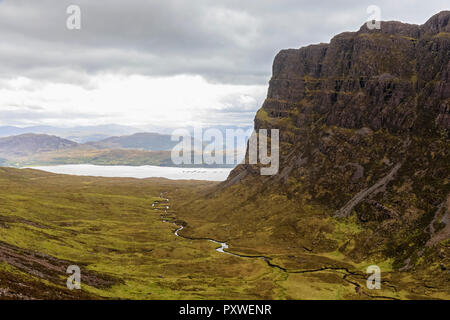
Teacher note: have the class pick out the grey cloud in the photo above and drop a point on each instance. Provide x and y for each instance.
(25, 107)
(24, 117)
(226, 41)
(239, 118)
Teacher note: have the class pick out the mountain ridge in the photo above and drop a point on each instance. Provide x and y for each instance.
(135, 150)
(140, 140)
(80, 134)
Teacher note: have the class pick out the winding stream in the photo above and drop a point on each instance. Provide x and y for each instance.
(221, 249)
(224, 245)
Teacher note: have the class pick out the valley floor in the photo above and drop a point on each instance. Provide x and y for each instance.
(116, 231)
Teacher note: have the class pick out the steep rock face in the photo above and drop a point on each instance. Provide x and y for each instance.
(364, 130)
(375, 78)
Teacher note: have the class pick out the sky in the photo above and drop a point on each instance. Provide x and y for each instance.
(165, 63)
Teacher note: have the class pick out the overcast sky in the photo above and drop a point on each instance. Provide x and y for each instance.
(169, 63)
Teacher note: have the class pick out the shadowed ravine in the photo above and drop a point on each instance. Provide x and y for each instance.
(223, 245)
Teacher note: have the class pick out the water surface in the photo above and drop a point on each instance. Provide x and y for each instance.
(211, 174)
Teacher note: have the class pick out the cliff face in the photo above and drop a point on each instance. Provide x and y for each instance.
(364, 132)
(379, 79)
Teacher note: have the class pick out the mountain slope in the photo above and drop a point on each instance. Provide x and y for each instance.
(141, 141)
(135, 150)
(40, 149)
(80, 134)
(364, 158)
(29, 144)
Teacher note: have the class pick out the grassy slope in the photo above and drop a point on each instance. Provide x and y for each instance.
(301, 237)
(110, 229)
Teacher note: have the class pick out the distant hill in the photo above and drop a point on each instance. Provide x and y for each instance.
(80, 134)
(28, 144)
(139, 141)
(134, 150)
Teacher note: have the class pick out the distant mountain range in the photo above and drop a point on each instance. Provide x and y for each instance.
(104, 145)
(85, 134)
(140, 141)
(80, 134)
(134, 150)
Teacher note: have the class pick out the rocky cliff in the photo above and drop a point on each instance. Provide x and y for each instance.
(381, 79)
(364, 142)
